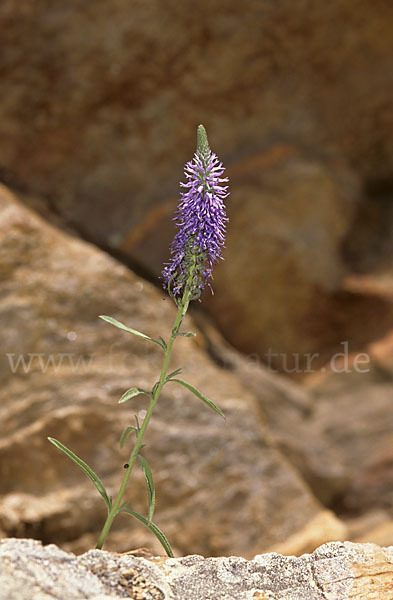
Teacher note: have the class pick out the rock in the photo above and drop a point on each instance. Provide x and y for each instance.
(337, 431)
(374, 526)
(305, 129)
(382, 534)
(338, 571)
(353, 413)
(381, 352)
(351, 410)
(283, 245)
(222, 487)
(114, 99)
(288, 411)
(369, 248)
(379, 283)
(325, 525)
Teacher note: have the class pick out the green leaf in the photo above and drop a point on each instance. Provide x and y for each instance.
(168, 377)
(150, 484)
(187, 334)
(117, 323)
(163, 343)
(126, 433)
(200, 396)
(134, 391)
(154, 529)
(86, 469)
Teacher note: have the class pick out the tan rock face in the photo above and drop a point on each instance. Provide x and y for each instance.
(97, 114)
(114, 99)
(337, 433)
(286, 226)
(222, 487)
(359, 425)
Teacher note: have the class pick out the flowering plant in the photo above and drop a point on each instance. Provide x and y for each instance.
(197, 246)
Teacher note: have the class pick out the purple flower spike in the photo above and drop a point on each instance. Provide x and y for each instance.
(201, 220)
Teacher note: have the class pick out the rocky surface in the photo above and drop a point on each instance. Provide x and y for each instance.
(222, 487)
(337, 431)
(335, 571)
(115, 99)
(356, 418)
(289, 412)
(97, 118)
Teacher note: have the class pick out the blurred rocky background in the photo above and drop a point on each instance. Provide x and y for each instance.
(98, 110)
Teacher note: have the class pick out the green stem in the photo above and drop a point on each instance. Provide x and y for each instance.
(182, 309)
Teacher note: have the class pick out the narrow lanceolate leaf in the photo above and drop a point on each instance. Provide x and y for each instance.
(187, 334)
(154, 529)
(200, 396)
(117, 323)
(86, 469)
(126, 433)
(151, 493)
(163, 343)
(173, 374)
(131, 393)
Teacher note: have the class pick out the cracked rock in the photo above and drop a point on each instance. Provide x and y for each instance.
(335, 571)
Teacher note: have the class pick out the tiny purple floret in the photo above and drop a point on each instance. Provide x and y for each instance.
(201, 221)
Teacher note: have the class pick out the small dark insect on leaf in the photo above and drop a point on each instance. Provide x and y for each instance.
(126, 465)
